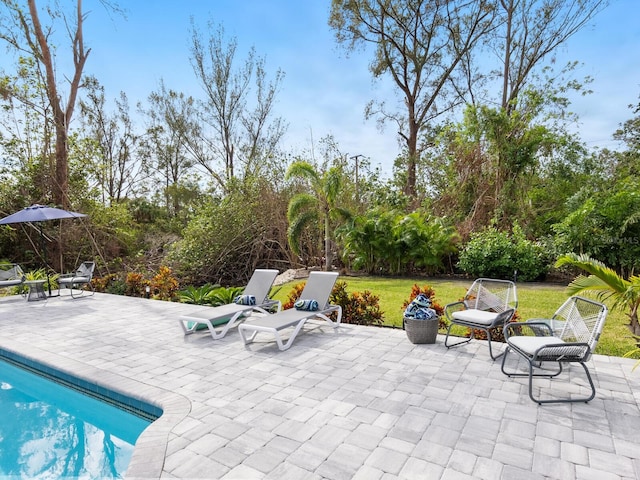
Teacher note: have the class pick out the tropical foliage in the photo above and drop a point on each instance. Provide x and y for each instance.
(317, 207)
(391, 242)
(606, 284)
(198, 295)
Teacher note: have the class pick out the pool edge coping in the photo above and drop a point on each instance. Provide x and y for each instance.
(147, 460)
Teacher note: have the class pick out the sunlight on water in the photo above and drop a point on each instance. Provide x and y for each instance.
(49, 431)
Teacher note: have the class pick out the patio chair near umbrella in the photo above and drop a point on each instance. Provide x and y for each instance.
(36, 214)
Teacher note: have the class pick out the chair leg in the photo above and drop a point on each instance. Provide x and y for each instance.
(490, 350)
(471, 337)
(78, 287)
(504, 360)
(529, 361)
(562, 400)
(531, 375)
(457, 343)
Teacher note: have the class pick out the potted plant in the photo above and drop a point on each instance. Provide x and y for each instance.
(421, 318)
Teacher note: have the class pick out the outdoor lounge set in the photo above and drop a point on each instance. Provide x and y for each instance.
(534, 348)
(12, 275)
(252, 318)
(570, 336)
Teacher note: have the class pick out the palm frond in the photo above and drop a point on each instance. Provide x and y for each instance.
(300, 203)
(590, 284)
(333, 183)
(296, 227)
(302, 169)
(595, 268)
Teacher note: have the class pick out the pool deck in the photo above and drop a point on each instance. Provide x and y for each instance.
(359, 402)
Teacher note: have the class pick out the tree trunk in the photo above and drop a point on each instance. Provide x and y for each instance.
(62, 116)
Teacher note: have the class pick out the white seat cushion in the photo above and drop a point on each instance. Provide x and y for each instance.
(480, 317)
(530, 345)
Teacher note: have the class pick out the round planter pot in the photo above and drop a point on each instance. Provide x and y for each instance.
(421, 331)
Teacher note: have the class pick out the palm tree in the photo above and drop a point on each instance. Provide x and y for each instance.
(606, 284)
(315, 207)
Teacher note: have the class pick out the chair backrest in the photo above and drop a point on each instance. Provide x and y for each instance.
(260, 283)
(492, 295)
(319, 287)
(86, 269)
(583, 320)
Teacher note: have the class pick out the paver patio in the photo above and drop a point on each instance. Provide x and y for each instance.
(362, 402)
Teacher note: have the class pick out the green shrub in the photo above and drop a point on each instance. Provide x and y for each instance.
(116, 286)
(197, 295)
(497, 254)
(224, 295)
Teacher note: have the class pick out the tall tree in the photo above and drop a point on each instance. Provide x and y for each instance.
(245, 132)
(423, 45)
(25, 33)
(628, 161)
(26, 137)
(115, 167)
(532, 30)
(172, 121)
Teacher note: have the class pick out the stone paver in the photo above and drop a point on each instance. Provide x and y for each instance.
(361, 403)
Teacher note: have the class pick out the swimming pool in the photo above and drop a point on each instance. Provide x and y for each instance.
(48, 430)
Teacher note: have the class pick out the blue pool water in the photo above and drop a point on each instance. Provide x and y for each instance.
(50, 431)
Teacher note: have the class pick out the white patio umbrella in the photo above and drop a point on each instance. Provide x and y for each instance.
(37, 214)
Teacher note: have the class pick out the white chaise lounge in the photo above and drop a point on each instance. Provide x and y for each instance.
(318, 288)
(230, 315)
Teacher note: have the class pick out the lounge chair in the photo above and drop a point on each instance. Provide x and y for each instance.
(570, 336)
(232, 314)
(318, 288)
(11, 275)
(75, 281)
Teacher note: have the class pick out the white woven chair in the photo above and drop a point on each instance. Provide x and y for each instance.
(488, 304)
(570, 336)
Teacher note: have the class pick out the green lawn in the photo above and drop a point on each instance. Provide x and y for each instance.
(535, 300)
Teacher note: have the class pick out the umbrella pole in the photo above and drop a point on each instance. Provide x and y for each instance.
(44, 257)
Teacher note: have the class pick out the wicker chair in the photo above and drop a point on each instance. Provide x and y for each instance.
(487, 304)
(570, 336)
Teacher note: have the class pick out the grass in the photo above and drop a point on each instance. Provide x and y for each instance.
(535, 300)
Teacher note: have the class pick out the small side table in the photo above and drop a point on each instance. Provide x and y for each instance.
(36, 290)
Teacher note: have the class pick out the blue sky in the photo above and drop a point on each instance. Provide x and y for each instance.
(323, 91)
